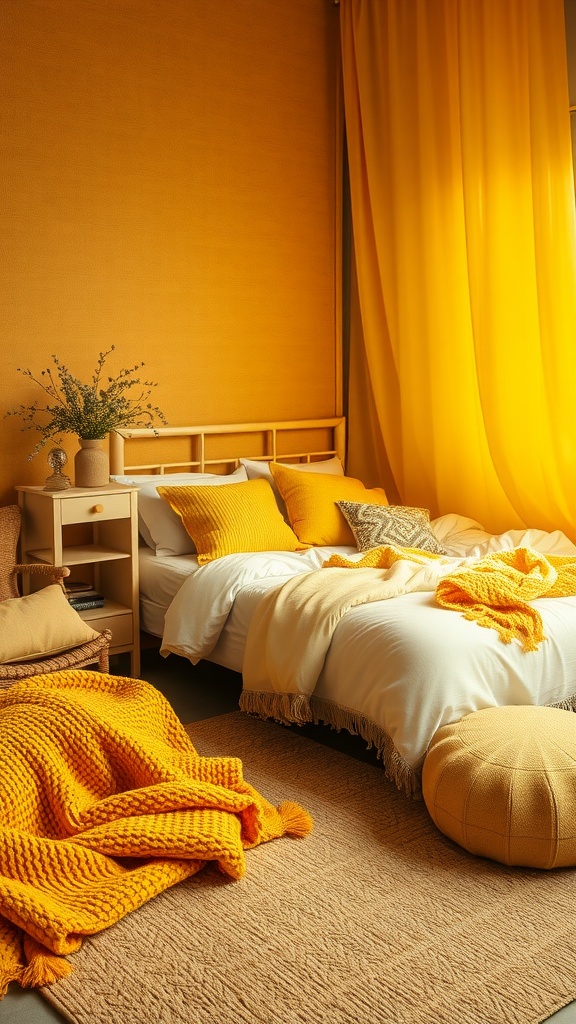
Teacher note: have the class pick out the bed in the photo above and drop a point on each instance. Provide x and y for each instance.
(371, 650)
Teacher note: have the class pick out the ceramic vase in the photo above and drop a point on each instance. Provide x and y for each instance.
(91, 464)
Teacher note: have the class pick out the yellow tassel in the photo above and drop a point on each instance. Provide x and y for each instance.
(296, 821)
(6, 978)
(10, 955)
(43, 967)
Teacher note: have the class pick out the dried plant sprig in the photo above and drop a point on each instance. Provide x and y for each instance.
(89, 411)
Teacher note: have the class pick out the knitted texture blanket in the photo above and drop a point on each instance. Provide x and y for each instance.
(494, 591)
(104, 802)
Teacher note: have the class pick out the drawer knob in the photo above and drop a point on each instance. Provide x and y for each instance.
(98, 508)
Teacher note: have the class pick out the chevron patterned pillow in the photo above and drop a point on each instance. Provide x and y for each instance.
(374, 525)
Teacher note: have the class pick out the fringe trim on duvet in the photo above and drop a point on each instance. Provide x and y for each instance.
(296, 709)
(396, 768)
(287, 708)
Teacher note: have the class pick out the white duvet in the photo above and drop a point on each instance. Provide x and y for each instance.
(396, 669)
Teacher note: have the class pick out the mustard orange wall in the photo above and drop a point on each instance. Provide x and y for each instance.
(170, 183)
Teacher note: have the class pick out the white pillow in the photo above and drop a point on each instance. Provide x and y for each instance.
(159, 526)
(148, 478)
(256, 469)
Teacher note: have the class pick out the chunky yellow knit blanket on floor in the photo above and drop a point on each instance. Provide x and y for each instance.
(104, 802)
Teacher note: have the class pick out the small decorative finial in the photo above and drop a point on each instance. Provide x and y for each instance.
(57, 481)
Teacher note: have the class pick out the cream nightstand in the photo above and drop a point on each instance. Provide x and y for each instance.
(94, 532)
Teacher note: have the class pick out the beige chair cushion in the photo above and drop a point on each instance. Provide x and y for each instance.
(39, 625)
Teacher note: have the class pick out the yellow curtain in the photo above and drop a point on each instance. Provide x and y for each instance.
(463, 218)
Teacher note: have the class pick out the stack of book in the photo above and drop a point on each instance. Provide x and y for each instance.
(82, 596)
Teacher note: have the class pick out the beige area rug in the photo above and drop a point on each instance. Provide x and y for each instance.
(375, 918)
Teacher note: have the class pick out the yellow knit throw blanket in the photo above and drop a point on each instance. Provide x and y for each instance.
(96, 769)
(493, 591)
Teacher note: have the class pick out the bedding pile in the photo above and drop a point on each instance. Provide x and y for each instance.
(396, 670)
(104, 802)
(292, 628)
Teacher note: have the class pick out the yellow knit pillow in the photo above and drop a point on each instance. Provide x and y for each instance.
(39, 625)
(310, 499)
(226, 520)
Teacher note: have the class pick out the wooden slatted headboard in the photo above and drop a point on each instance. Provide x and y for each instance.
(219, 446)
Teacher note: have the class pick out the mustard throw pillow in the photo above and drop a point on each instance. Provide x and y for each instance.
(311, 498)
(227, 520)
(39, 625)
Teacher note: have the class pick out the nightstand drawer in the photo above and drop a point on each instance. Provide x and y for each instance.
(95, 508)
(122, 625)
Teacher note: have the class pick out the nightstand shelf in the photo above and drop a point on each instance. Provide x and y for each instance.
(93, 531)
(112, 616)
(84, 554)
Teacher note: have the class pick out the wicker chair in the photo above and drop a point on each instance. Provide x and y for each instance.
(95, 651)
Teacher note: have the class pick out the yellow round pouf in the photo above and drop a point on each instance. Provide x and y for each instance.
(501, 783)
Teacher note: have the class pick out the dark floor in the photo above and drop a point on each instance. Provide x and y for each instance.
(195, 692)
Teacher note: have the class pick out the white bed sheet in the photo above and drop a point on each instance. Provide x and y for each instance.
(160, 581)
(401, 668)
